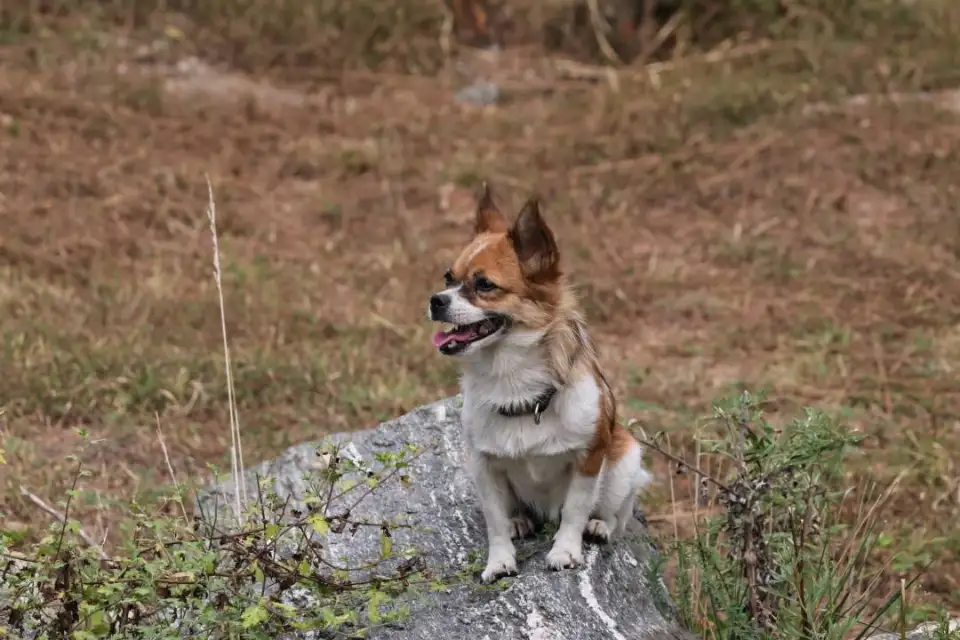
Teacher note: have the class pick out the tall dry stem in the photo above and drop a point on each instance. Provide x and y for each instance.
(236, 448)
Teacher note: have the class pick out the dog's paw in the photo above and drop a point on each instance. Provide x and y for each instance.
(563, 556)
(522, 526)
(599, 531)
(499, 566)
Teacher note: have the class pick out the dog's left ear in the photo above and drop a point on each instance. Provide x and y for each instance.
(535, 244)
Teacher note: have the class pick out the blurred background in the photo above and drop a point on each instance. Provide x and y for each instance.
(750, 194)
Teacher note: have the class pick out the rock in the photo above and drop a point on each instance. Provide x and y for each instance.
(618, 594)
(481, 93)
(946, 99)
(479, 75)
(192, 78)
(929, 631)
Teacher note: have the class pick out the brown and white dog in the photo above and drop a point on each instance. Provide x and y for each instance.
(539, 419)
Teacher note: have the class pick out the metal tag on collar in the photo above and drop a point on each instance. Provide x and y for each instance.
(537, 412)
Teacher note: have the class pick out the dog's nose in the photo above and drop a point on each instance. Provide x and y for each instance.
(439, 302)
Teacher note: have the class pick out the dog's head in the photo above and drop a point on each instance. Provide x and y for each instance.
(506, 281)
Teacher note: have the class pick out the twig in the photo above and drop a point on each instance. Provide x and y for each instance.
(578, 71)
(62, 518)
(236, 452)
(696, 583)
(673, 502)
(446, 33)
(681, 462)
(641, 163)
(882, 372)
(105, 529)
(714, 56)
(903, 608)
(598, 24)
(682, 516)
(663, 33)
(173, 476)
(860, 529)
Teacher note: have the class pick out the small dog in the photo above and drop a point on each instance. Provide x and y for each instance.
(539, 419)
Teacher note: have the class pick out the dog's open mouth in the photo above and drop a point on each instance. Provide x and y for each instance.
(461, 336)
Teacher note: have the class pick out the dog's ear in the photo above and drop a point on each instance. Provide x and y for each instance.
(489, 218)
(535, 244)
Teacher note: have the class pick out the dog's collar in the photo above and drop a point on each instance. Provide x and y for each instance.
(536, 406)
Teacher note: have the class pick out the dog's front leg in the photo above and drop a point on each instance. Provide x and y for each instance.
(496, 500)
(567, 548)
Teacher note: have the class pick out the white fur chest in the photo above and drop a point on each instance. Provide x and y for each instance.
(566, 427)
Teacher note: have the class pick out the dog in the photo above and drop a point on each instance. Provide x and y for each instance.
(539, 419)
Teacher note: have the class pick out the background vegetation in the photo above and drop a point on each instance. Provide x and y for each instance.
(750, 195)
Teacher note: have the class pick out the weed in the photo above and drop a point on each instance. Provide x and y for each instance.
(194, 576)
(780, 562)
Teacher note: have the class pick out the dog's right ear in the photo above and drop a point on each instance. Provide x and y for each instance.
(489, 218)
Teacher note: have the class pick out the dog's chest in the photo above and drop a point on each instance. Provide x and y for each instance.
(542, 471)
(521, 436)
(537, 456)
(566, 426)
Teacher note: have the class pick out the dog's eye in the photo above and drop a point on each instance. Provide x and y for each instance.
(448, 278)
(482, 284)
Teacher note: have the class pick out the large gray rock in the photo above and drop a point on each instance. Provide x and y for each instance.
(949, 630)
(618, 594)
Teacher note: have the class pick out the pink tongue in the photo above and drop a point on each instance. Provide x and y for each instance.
(441, 338)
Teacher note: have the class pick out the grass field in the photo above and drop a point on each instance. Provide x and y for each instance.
(780, 213)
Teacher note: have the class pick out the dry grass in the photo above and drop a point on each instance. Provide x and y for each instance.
(722, 235)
